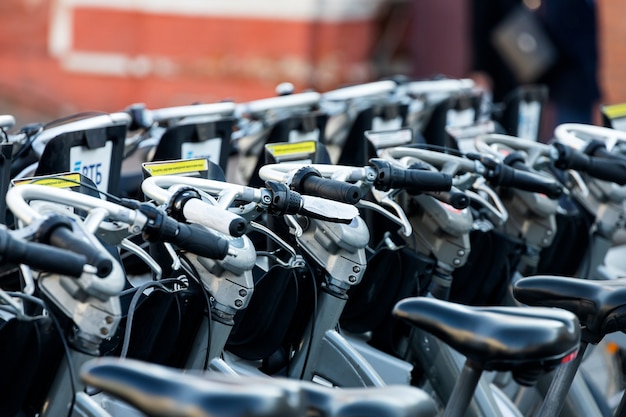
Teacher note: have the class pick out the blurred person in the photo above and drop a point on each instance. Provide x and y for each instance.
(571, 74)
(487, 67)
(573, 80)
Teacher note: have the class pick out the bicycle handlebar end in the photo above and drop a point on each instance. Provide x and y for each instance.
(59, 232)
(308, 180)
(41, 256)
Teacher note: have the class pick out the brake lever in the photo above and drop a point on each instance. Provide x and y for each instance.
(328, 210)
(386, 198)
(266, 231)
(499, 214)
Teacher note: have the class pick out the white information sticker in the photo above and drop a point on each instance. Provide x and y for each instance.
(389, 138)
(94, 164)
(210, 149)
(528, 120)
(298, 136)
(460, 118)
(378, 123)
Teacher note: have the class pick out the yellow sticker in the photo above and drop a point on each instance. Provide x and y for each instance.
(287, 149)
(615, 111)
(176, 167)
(58, 181)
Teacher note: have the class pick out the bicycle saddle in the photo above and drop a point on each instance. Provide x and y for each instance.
(160, 391)
(599, 305)
(526, 341)
(388, 401)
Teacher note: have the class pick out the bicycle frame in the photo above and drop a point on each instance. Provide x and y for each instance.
(339, 249)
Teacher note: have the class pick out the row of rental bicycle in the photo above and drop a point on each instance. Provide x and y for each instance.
(395, 248)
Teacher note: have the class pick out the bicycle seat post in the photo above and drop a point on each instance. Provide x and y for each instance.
(463, 390)
(560, 385)
(621, 408)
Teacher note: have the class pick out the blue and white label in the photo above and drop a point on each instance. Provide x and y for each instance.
(94, 164)
(210, 149)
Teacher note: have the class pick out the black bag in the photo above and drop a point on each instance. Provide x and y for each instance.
(524, 45)
(391, 276)
(485, 277)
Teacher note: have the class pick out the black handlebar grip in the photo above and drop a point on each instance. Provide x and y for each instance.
(527, 181)
(607, 169)
(283, 200)
(598, 148)
(41, 256)
(420, 180)
(199, 240)
(455, 198)
(414, 180)
(64, 238)
(309, 181)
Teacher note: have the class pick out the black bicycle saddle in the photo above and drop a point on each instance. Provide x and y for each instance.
(599, 305)
(160, 391)
(525, 340)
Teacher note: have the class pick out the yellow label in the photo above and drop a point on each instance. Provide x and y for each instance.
(58, 181)
(177, 167)
(296, 148)
(615, 111)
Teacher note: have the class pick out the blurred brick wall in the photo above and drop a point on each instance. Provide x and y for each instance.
(612, 24)
(59, 57)
(439, 36)
(225, 57)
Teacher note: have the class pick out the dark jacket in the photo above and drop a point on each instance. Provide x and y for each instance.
(572, 25)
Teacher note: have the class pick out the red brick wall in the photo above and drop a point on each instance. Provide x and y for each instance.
(612, 24)
(109, 58)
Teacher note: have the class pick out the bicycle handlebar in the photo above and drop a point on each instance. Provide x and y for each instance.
(381, 174)
(492, 144)
(413, 180)
(277, 200)
(607, 169)
(209, 109)
(520, 176)
(308, 180)
(142, 117)
(18, 196)
(439, 86)
(527, 181)
(7, 121)
(140, 217)
(455, 198)
(365, 90)
(497, 173)
(566, 133)
(186, 204)
(94, 122)
(40, 256)
(450, 164)
(193, 238)
(307, 99)
(58, 231)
